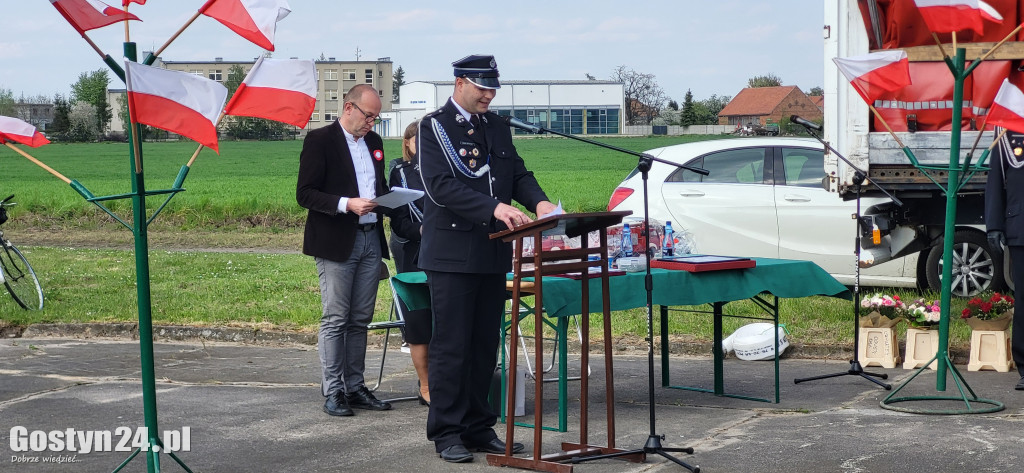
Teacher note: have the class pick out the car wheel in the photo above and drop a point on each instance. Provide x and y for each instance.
(974, 269)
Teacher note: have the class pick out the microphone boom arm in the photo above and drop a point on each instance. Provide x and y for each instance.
(643, 156)
(859, 175)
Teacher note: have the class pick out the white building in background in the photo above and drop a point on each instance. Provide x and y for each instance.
(588, 107)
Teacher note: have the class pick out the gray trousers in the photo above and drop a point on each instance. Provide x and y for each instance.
(348, 292)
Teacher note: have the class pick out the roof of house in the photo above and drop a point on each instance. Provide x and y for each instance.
(818, 100)
(756, 101)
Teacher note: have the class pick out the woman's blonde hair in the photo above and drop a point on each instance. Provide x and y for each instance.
(410, 132)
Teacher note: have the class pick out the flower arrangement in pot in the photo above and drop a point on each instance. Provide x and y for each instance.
(883, 310)
(924, 315)
(989, 312)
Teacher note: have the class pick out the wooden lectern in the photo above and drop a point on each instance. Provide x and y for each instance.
(550, 263)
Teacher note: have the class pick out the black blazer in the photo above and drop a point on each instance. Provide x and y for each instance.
(459, 210)
(406, 220)
(326, 173)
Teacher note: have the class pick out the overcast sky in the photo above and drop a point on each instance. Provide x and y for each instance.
(709, 47)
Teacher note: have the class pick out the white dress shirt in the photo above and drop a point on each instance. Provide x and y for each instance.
(365, 176)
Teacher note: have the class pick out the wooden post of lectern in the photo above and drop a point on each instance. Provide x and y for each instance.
(560, 262)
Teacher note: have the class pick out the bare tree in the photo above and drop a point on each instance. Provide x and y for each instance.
(644, 97)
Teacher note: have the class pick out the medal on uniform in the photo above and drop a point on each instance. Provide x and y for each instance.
(476, 152)
(462, 152)
(1017, 151)
(472, 163)
(470, 132)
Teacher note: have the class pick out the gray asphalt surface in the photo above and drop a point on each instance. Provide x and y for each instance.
(258, 408)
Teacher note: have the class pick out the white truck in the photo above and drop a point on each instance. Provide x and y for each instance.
(854, 28)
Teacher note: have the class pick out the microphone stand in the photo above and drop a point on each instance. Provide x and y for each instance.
(855, 367)
(653, 444)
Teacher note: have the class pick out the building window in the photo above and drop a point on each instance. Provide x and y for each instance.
(196, 72)
(315, 117)
(348, 74)
(369, 76)
(331, 94)
(216, 75)
(330, 116)
(380, 93)
(330, 74)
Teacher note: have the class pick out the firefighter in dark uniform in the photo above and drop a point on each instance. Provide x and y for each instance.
(1004, 219)
(471, 173)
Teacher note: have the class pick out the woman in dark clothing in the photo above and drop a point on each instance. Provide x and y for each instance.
(405, 246)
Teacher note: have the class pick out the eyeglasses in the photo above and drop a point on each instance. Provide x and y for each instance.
(369, 118)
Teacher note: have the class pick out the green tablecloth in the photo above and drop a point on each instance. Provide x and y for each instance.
(783, 278)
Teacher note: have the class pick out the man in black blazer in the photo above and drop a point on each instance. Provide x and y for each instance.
(341, 168)
(1004, 219)
(471, 172)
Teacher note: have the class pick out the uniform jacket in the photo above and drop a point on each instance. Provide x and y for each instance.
(326, 173)
(459, 210)
(406, 220)
(1004, 195)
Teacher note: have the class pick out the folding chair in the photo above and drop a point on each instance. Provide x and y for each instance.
(396, 320)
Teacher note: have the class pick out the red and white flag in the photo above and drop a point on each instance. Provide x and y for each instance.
(126, 2)
(87, 15)
(877, 73)
(1007, 110)
(947, 16)
(282, 90)
(12, 129)
(175, 101)
(254, 20)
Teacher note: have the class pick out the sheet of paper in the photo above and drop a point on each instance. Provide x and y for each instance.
(397, 197)
(558, 211)
(558, 229)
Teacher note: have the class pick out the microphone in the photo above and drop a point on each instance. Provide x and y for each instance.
(805, 123)
(513, 121)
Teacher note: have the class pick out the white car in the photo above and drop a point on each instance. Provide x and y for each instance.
(764, 198)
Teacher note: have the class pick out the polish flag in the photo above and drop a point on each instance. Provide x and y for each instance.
(947, 16)
(877, 73)
(254, 20)
(175, 101)
(1007, 110)
(126, 2)
(283, 90)
(12, 129)
(87, 15)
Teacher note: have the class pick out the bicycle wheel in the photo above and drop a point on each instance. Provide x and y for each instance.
(20, 278)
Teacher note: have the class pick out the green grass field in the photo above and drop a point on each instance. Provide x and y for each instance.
(256, 180)
(252, 185)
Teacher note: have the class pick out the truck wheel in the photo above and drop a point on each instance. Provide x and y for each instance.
(974, 270)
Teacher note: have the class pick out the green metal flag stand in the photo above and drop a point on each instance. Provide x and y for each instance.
(970, 400)
(140, 223)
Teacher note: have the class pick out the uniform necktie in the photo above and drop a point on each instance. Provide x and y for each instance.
(475, 120)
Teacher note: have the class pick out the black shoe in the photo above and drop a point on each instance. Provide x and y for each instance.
(1020, 384)
(337, 405)
(456, 454)
(419, 395)
(497, 446)
(363, 399)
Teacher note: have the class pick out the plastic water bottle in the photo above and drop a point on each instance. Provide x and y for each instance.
(668, 241)
(627, 242)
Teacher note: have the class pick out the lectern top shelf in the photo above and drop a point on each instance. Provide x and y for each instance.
(575, 224)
